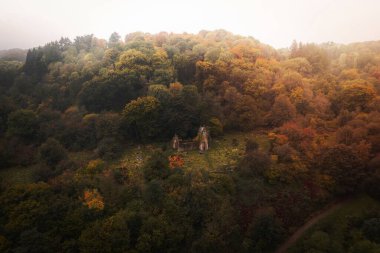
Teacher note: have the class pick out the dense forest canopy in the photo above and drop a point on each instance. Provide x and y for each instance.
(316, 105)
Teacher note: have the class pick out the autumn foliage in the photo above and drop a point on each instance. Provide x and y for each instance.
(93, 200)
(86, 163)
(176, 161)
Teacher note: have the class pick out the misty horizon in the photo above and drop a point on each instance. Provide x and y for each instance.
(124, 35)
(28, 24)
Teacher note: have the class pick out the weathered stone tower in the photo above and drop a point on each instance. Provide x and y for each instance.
(203, 139)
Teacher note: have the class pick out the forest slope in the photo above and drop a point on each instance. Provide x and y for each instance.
(86, 125)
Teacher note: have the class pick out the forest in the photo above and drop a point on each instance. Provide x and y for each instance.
(87, 165)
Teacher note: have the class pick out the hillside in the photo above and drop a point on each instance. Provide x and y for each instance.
(15, 54)
(86, 154)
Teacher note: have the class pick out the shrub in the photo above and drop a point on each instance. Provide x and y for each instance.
(263, 234)
(216, 127)
(52, 152)
(285, 153)
(345, 164)
(371, 229)
(251, 145)
(93, 199)
(157, 166)
(95, 166)
(176, 161)
(254, 163)
(22, 123)
(108, 148)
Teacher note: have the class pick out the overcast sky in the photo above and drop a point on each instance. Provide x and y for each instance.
(29, 23)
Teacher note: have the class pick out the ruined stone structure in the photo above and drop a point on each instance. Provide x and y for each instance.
(203, 139)
(175, 142)
(200, 142)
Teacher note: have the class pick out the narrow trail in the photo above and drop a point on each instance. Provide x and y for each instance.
(300, 231)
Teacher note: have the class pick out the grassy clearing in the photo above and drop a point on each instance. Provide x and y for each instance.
(134, 157)
(224, 152)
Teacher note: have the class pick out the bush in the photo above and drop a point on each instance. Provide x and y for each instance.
(251, 145)
(22, 123)
(157, 166)
(119, 176)
(254, 163)
(108, 235)
(108, 148)
(66, 164)
(263, 234)
(141, 117)
(107, 125)
(285, 153)
(95, 166)
(153, 193)
(318, 241)
(345, 164)
(215, 127)
(371, 229)
(43, 173)
(13, 153)
(52, 152)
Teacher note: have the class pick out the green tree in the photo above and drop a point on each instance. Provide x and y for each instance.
(84, 42)
(371, 229)
(163, 69)
(137, 61)
(34, 241)
(114, 39)
(108, 125)
(157, 166)
(141, 116)
(110, 57)
(160, 92)
(255, 162)
(263, 234)
(35, 64)
(108, 148)
(109, 235)
(52, 152)
(184, 64)
(182, 114)
(215, 127)
(153, 236)
(23, 123)
(110, 92)
(319, 241)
